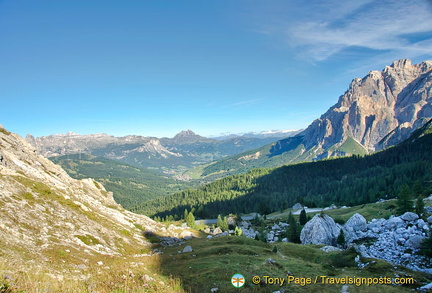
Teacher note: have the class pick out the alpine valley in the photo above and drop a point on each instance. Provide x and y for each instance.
(346, 202)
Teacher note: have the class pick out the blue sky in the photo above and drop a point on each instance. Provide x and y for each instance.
(157, 67)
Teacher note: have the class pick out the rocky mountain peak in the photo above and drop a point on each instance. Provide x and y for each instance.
(186, 133)
(187, 137)
(384, 104)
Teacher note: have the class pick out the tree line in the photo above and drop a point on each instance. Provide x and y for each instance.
(344, 181)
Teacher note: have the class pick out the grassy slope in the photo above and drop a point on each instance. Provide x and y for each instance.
(214, 261)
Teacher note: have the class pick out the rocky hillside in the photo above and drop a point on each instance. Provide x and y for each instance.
(52, 223)
(377, 111)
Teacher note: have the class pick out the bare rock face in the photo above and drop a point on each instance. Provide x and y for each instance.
(377, 111)
(320, 230)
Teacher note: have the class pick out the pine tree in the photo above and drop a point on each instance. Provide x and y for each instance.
(238, 231)
(303, 218)
(190, 220)
(404, 202)
(185, 214)
(417, 188)
(419, 207)
(222, 223)
(293, 229)
(426, 246)
(341, 238)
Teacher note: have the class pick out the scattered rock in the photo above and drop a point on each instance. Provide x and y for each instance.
(344, 289)
(409, 216)
(187, 249)
(322, 229)
(217, 231)
(425, 288)
(186, 234)
(297, 206)
(82, 267)
(329, 248)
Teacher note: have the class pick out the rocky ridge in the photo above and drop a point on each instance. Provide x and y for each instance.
(44, 211)
(377, 111)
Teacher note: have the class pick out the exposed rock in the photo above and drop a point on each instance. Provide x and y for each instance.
(188, 248)
(429, 219)
(354, 227)
(217, 231)
(393, 223)
(297, 206)
(409, 216)
(329, 248)
(425, 288)
(377, 111)
(321, 229)
(396, 240)
(357, 222)
(186, 234)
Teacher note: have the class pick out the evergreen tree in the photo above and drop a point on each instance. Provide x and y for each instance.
(417, 188)
(426, 246)
(419, 207)
(238, 231)
(303, 218)
(293, 229)
(185, 214)
(190, 220)
(404, 202)
(341, 238)
(222, 223)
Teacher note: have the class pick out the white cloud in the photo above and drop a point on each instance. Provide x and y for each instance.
(324, 28)
(242, 104)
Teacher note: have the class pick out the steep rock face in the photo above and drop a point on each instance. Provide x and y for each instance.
(43, 210)
(322, 229)
(380, 110)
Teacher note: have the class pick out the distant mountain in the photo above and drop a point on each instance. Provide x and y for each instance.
(376, 112)
(277, 134)
(172, 156)
(346, 181)
(187, 137)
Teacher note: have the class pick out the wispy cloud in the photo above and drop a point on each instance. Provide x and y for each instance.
(242, 104)
(325, 28)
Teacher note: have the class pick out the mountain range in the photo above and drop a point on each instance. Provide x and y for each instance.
(172, 156)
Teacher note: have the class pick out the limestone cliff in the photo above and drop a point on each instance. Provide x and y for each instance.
(377, 111)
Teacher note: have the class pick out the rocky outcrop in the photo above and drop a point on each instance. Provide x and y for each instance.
(377, 111)
(321, 229)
